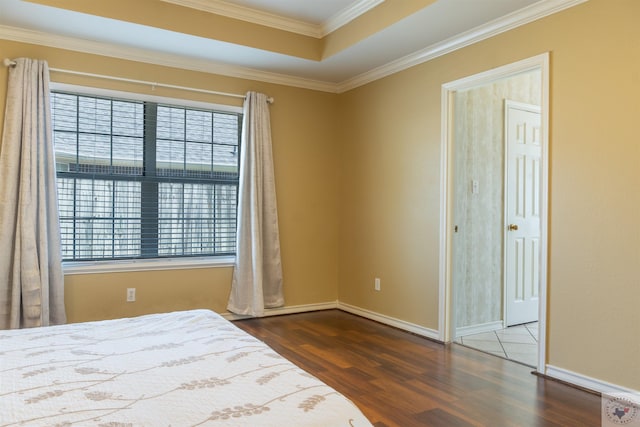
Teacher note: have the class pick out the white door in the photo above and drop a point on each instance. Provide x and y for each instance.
(522, 212)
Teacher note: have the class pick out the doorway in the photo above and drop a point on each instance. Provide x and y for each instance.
(488, 269)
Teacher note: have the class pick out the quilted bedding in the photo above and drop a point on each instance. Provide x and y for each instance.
(190, 368)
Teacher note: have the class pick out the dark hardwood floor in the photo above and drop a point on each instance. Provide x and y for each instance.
(399, 379)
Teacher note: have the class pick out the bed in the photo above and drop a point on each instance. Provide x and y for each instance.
(191, 368)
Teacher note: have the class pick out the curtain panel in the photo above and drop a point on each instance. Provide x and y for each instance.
(31, 278)
(257, 274)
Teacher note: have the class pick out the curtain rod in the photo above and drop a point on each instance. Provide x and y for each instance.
(9, 63)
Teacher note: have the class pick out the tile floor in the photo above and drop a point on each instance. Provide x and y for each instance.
(518, 343)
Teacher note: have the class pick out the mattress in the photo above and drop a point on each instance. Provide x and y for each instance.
(191, 368)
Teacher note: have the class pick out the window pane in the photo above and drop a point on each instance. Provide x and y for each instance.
(226, 160)
(170, 158)
(96, 222)
(170, 224)
(225, 211)
(94, 238)
(127, 155)
(197, 219)
(127, 200)
(94, 153)
(94, 198)
(94, 115)
(208, 148)
(225, 129)
(198, 126)
(66, 197)
(171, 123)
(128, 119)
(127, 238)
(67, 236)
(199, 160)
(64, 115)
(66, 148)
(127, 219)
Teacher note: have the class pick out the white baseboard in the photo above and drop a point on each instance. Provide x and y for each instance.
(391, 321)
(586, 382)
(291, 309)
(397, 323)
(479, 329)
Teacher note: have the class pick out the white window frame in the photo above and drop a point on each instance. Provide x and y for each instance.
(175, 263)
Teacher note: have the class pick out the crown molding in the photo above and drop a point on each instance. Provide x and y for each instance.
(157, 58)
(347, 15)
(508, 22)
(243, 13)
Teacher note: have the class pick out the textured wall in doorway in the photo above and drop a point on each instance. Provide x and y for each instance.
(479, 156)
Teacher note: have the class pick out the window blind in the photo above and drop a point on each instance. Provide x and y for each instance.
(144, 180)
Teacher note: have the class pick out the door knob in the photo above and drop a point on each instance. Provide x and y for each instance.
(513, 227)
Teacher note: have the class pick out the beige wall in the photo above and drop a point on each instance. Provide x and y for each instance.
(477, 250)
(358, 181)
(304, 148)
(390, 192)
(102, 296)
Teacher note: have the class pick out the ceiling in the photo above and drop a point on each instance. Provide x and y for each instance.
(437, 28)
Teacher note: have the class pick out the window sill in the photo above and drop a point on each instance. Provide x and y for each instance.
(91, 267)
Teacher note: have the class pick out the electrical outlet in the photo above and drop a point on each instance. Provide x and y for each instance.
(131, 294)
(376, 284)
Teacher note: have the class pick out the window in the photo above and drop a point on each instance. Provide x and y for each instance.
(139, 179)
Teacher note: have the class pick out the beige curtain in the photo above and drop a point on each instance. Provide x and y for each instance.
(257, 275)
(31, 279)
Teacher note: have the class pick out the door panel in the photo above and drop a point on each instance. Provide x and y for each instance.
(522, 212)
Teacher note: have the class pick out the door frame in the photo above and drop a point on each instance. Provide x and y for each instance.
(446, 326)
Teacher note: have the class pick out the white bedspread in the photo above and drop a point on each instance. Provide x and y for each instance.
(189, 368)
